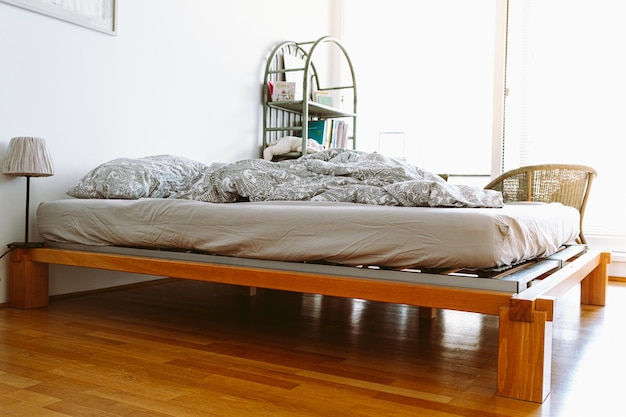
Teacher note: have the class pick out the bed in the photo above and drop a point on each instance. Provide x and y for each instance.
(337, 223)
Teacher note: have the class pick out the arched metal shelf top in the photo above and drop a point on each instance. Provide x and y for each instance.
(282, 118)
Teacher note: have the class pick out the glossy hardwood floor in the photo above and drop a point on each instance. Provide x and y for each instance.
(182, 348)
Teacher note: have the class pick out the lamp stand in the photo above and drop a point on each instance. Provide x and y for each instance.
(26, 243)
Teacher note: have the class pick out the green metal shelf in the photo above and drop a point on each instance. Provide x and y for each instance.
(291, 118)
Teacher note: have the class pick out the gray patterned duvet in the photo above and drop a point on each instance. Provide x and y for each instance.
(332, 175)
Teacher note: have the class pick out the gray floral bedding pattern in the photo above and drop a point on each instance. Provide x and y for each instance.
(336, 175)
(331, 175)
(159, 176)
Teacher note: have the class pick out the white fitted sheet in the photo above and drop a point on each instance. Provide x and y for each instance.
(344, 233)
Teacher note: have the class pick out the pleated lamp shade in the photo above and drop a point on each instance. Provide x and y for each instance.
(28, 157)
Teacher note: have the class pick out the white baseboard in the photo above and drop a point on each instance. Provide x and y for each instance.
(614, 244)
(617, 267)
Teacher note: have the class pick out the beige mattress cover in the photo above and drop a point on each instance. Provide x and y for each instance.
(344, 233)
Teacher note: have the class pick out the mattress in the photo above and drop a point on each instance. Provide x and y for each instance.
(304, 231)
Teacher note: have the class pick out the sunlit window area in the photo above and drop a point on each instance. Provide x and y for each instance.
(425, 80)
(566, 104)
(427, 91)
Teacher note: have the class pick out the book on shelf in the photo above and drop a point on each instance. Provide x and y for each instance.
(330, 133)
(319, 130)
(339, 134)
(282, 90)
(323, 97)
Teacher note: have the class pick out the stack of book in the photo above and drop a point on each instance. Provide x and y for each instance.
(330, 133)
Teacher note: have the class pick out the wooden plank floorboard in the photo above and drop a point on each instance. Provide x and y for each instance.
(183, 348)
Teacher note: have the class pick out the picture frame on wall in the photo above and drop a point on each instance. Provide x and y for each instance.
(100, 15)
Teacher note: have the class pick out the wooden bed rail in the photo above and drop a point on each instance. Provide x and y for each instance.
(29, 275)
(542, 294)
(525, 319)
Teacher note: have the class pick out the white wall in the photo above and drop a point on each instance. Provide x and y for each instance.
(181, 77)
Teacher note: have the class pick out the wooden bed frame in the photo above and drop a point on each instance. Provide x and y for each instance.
(525, 317)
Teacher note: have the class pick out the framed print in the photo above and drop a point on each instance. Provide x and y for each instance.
(98, 15)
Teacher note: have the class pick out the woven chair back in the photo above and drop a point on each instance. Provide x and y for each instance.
(562, 183)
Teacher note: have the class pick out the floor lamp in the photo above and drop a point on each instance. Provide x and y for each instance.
(27, 157)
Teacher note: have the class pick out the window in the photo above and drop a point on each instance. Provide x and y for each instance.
(425, 78)
(424, 72)
(567, 101)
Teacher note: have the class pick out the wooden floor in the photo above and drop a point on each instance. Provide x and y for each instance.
(183, 348)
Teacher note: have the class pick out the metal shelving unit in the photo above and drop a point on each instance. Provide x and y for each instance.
(291, 118)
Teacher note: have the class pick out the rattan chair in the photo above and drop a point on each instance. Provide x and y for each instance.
(562, 183)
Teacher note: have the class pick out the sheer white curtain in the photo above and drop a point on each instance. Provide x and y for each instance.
(567, 96)
(424, 71)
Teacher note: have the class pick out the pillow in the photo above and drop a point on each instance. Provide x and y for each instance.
(159, 176)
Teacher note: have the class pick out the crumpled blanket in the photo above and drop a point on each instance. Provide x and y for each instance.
(335, 175)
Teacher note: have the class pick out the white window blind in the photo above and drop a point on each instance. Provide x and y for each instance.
(566, 76)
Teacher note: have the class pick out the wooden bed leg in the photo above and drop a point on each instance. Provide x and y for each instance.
(28, 281)
(248, 291)
(524, 357)
(593, 287)
(427, 313)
